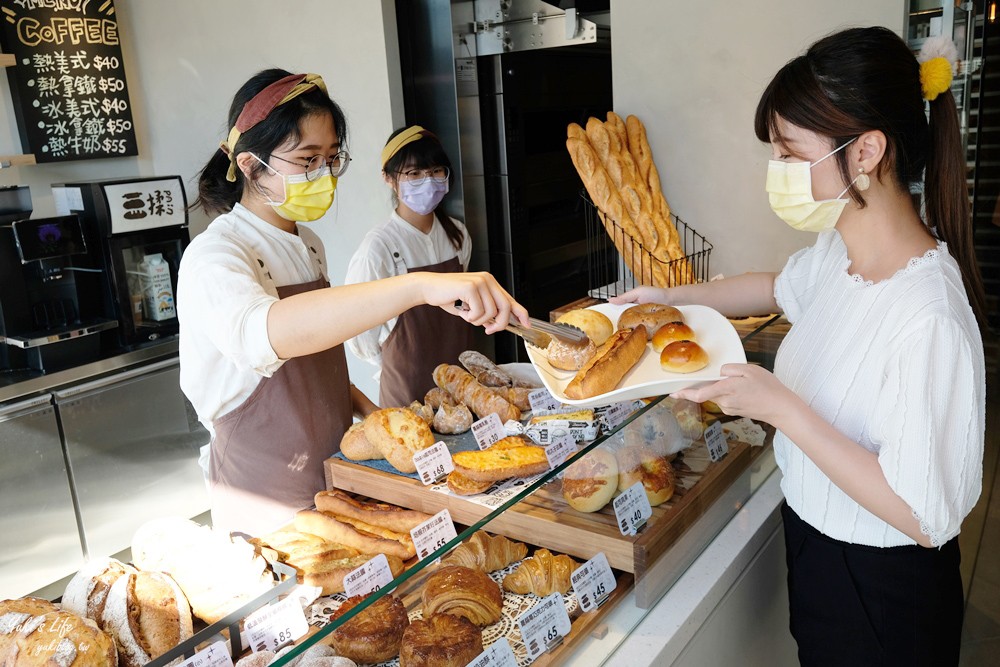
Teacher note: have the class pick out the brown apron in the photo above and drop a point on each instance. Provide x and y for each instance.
(424, 336)
(267, 454)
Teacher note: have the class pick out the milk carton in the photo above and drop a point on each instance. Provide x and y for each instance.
(157, 290)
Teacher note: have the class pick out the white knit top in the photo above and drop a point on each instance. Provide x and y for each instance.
(897, 366)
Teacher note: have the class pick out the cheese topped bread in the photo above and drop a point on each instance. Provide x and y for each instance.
(494, 464)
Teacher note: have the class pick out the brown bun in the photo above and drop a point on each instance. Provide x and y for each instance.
(375, 634)
(683, 356)
(590, 482)
(670, 332)
(596, 325)
(637, 464)
(609, 364)
(463, 591)
(569, 357)
(440, 640)
(650, 315)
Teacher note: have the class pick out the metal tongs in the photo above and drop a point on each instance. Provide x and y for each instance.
(541, 333)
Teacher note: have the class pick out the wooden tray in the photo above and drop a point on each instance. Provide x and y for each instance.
(545, 519)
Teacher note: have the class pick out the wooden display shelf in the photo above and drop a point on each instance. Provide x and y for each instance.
(545, 519)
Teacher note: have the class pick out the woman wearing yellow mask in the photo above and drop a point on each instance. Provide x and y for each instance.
(261, 351)
(878, 393)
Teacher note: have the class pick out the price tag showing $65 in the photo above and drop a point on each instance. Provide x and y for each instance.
(544, 625)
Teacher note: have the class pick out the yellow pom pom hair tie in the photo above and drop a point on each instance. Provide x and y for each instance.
(938, 63)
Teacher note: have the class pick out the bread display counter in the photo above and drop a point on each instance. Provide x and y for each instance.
(413, 567)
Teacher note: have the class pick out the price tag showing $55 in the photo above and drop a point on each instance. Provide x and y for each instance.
(433, 534)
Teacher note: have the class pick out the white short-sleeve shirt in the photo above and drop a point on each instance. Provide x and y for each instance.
(228, 280)
(898, 367)
(376, 258)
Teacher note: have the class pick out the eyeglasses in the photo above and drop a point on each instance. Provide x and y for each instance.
(337, 164)
(417, 176)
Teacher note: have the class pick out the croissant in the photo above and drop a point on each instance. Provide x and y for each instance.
(465, 592)
(541, 574)
(489, 554)
(466, 389)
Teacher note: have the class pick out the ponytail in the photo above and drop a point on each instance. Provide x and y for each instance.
(216, 194)
(946, 197)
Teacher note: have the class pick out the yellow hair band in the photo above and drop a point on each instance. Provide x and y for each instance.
(407, 136)
(935, 77)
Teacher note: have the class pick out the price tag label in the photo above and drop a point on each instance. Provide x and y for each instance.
(632, 509)
(276, 625)
(488, 431)
(716, 441)
(544, 625)
(541, 399)
(433, 463)
(368, 578)
(617, 413)
(433, 534)
(593, 582)
(499, 654)
(562, 447)
(745, 430)
(216, 655)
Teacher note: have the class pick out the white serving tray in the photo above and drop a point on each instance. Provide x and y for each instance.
(715, 334)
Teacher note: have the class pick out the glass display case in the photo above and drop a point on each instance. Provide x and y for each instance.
(718, 462)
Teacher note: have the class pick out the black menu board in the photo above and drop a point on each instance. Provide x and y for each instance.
(68, 81)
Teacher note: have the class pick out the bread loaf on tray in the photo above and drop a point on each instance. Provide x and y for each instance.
(466, 389)
(609, 364)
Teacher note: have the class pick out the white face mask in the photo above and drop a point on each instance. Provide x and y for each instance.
(789, 189)
(424, 195)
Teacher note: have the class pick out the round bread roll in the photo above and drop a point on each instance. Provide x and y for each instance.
(683, 356)
(591, 481)
(452, 419)
(399, 434)
(375, 634)
(440, 640)
(147, 614)
(651, 315)
(87, 592)
(34, 632)
(355, 446)
(671, 332)
(637, 464)
(569, 357)
(595, 324)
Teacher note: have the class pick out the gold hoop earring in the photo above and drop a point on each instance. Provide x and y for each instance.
(862, 182)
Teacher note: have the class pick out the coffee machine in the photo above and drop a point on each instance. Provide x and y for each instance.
(52, 310)
(139, 228)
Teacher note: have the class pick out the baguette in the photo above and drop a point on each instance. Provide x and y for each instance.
(609, 365)
(361, 536)
(466, 389)
(392, 517)
(484, 370)
(329, 574)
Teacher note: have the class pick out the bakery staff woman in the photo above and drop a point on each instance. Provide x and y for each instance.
(416, 238)
(261, 351)
(878, 392)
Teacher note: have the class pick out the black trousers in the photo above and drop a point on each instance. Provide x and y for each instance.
(858, 605)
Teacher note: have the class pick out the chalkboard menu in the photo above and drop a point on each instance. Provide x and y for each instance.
(68, 81)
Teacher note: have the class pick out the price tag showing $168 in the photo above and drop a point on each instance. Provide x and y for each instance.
(433, 463)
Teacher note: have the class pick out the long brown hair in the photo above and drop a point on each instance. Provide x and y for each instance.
(864, 79)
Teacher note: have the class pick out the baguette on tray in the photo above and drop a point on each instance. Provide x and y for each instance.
(383, 515)
(466, 389)
(362, 536)
(609, 364)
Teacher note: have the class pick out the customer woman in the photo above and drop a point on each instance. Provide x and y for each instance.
(261, 336)
(878, 392)
(417, 237)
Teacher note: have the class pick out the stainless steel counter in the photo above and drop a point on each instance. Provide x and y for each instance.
(18, 385)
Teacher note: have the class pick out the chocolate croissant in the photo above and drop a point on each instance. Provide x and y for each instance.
(542, 574)
(489, 554)
(465, 592)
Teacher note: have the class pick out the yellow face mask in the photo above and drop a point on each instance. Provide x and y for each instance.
(789, 191)
(307, 196)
